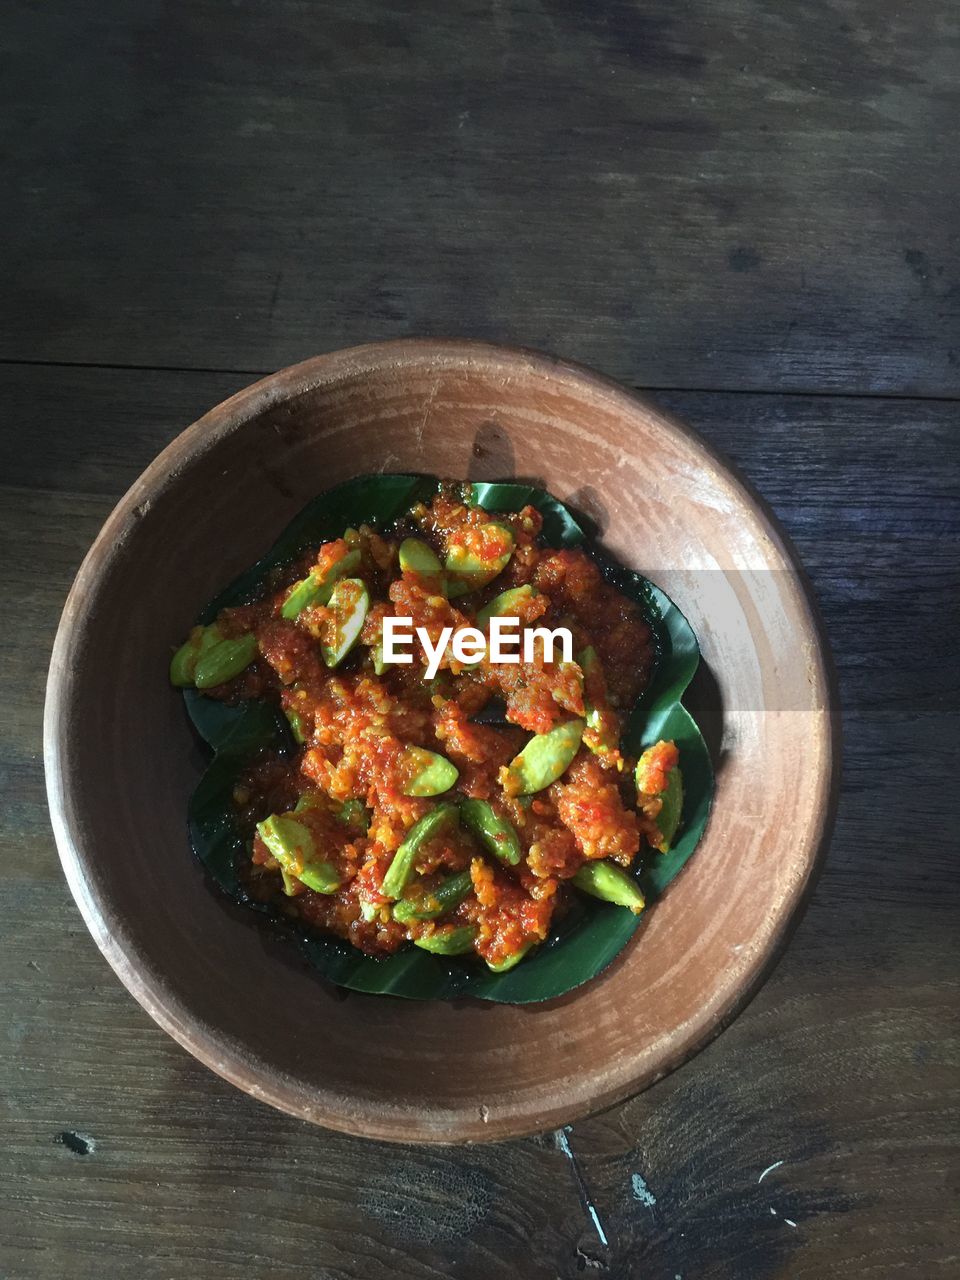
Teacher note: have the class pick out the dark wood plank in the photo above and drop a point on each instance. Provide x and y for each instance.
(703, 193)
(844, 1068)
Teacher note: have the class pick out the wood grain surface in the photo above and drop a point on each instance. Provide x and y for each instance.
(736, 196)
(719, 193)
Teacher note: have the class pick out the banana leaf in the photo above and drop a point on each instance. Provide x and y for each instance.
(592, 933)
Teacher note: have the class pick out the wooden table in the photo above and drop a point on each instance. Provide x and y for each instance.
(750, 209)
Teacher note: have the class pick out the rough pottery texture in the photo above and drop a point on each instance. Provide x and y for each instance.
(210, 506)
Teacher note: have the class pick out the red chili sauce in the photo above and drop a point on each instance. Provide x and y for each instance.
(355, 725)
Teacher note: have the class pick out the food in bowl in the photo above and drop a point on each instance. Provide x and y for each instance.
(431, 820)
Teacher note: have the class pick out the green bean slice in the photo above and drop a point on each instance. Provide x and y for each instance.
(467, 572)
(401, 868)
(417, 557)
(504, 604)
(610, 882)
(350, 602)
(436, 902)
(321, 877)
(310, 800)
(353, 813)
(500, 606)
(544, 758)
(183, 664)
(291, 843)
(288, 840)
(602, 739)
(434, 772)
(448, 942)
(668, 819)
(496, 834)
(312, 590)
(587, 661)
(504, 966)
(295, 721)
(225, 660)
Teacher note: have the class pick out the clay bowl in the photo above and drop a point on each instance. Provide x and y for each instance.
(121, 760)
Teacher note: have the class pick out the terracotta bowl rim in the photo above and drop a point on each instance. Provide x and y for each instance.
(110, 933)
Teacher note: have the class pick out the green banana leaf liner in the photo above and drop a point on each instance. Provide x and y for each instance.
(593, 932)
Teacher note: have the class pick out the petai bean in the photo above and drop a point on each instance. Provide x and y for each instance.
(610, 882)
(430, 773)
(504, 604)
(295, 721)
(448, 942)
(353, 813)
(183, 664)
(588, 662)
(602, 738)
(313, 590)
(350, 603)
(418, 558)
(543, 759)
(668, 819)
(225, 660)
(468, 572)
(504, 966)
(437, 902)
(292, 845)
(496, 834)
(401, 868)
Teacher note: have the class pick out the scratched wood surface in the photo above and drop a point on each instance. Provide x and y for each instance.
(735, 200)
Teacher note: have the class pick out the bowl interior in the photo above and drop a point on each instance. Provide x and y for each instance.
(122, 761)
